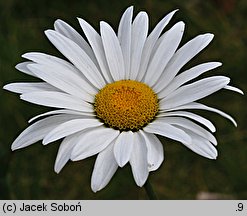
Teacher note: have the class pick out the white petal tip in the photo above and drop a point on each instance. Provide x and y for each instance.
(140, 184)
(75, 158)
(16, 146)
(7, 87)
(214, 157)
(143, 13)
(56, 170)
(235, 89)
(58, 166)
(80, 20)
(209, 35)
(130, 8)
(13, 148)
(57, 21)
(23, 56)
(48, 139)
(49, 32)
(121, 163)
(24, 97)
(95, 189)
(45, 142)
(103, 26)
(181, 23)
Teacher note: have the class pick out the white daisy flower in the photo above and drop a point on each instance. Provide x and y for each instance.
(116, 92)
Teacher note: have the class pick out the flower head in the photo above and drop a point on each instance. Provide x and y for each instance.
(116, 92)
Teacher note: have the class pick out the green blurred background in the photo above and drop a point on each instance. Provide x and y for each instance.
(28, 173)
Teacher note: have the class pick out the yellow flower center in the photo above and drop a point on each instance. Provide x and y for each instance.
(126, 105)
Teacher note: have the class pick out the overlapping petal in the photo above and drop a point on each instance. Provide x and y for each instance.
(39, 130)
(201, 146)
(113, 51)
(150, 43)
(104, 168)
(77, 56)
(138, 160)
(164, 52)
(124, 37)
(69, 32)
(95, 41)
(24, 69)
(181, 57)
(192, 116)
(194, 91)
(64, 80)
(165, 129)
(64, 111)
(155, 152)
(189, 125)
(138, 38)
(57, 99)
(22, 88)
(186, 76)
(64, 151)
(93, 141)
(70, 127)
(196, 105)
(123, 147)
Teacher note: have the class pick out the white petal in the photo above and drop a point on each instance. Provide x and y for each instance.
(96, 43)
(64, 80)
(23, 68)
(113, 52)
(123, 147)
(64, 111)
(60, 65)
(181, 57)
(104, 168)
(190, 115)
(38, 130)
(187, 76)
(163, 53)
(22, 88)
(194, 91)
(185, 123)
(92, 142)
(195, 105)
(124, 36)
(70, 127)
(232, 88)
(201, 146)
(167, 130)
(155, 152)
(64, 152)
(150, 42)
(77, 56)
(138, 38)
(69, 32)
(46, 59)
(138, 160)
(58, 100)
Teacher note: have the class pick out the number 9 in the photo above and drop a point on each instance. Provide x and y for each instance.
(240, 206)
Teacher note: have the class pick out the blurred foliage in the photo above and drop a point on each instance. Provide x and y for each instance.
(28, 173)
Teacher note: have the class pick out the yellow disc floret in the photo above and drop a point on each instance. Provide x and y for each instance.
(126, 105)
